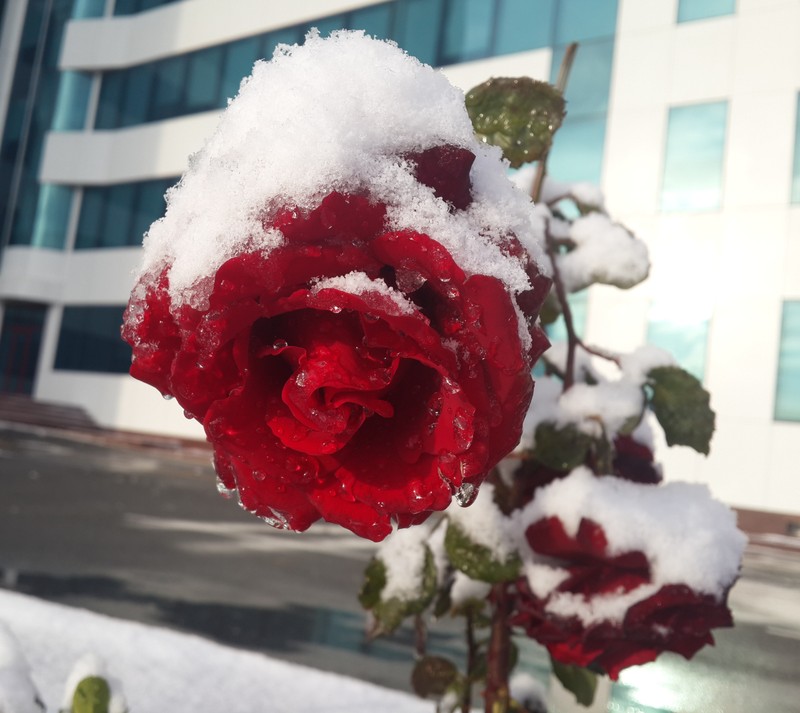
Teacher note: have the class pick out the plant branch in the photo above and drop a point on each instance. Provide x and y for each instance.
(499, 653)
(472, 660)
(561, 294)
(561, 85)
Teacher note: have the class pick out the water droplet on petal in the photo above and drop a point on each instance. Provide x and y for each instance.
(466, 494)
(224, 490)
(167, 397)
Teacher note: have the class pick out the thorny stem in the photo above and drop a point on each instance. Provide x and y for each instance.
(472, 660)
(421, 636)
(561, 85)
(497, 664)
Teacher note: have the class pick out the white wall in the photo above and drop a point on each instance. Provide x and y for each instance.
(739, 262)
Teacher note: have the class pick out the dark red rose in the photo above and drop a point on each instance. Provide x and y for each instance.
(361, 401)
(634, 461)
(671, 617)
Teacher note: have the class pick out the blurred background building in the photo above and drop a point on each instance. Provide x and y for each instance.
(684, 111)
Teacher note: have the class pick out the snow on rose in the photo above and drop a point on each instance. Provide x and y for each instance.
(343, 292)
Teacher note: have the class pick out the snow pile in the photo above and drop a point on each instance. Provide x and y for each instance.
(18, 693)
(167, 671)
(485, 524)
(403, 556)
(334, 114)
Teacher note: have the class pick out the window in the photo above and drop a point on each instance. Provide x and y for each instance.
(787, 392)
(20, 340)
(694, 157)
(580, 20)
(52, 216)
(130, 7)
(467, 31)
(119, 215)
(577, 153)
(796, 170)
(589, 78)
(690, 10)
(89, 340)
(417, 29)
(686, 341)
(523, 25)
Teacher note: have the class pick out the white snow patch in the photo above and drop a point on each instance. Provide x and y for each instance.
(163, 670)
(403, 555)
(485, 524)
(636, 365)
(359, 283)
(92, 665)
(465, 589)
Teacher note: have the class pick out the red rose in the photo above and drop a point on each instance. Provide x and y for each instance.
(653, 618)
(353, 373)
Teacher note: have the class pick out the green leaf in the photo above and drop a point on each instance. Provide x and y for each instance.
(478, 561)
(519, 114)
(681, 405)
(581, 682)
(562, 448)
(374, 582)
(390, 613)
(432, 676)
(92, 695)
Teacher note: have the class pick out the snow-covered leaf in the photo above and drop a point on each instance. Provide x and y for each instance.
(561, 448)
(682, 407)
(92, 695)
(519, 114)
(478, 561)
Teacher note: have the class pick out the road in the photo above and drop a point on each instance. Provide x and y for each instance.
(146, 536)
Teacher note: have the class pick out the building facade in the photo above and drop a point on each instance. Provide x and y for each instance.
(685, 112)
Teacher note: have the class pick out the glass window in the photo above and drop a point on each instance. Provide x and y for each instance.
(523, 25)
(118, 215)
(136, 101)
(20, 340)
(203, 79)
(417, 28)
(796, 171)
(375, 21)
(89, 340)
(90, 223)
(168, 95)
(52, 216)
(694, 157)
(88, 8)
(25, 211)
(577, 153)
(239, 59)
(72, 101)
(467, 30)
(580, 20)
(112, 87)
(589, 80)
(578, 304)
(787, 392)
(689, 10)
(685, 340)
(288, 36)
(150, 205)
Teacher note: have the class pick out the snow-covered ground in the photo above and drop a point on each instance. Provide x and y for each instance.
(163, 670)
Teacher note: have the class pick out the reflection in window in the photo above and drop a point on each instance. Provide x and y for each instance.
(694, 157)
(685, 340)
(787, 392)
(119, 215)
(796, 171)
(89, 340)
(690, 10)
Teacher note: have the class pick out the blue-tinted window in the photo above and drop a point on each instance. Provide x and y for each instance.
(130, 7)
(580, 20)
(52, 216)
(239, 60)
(119, 215)
(418, 23)
(168, 94)
(72, 101)
(589, 79)
(787, 393)
(112, 88)
(694, 157)
(136, 100)
(577, 153)
(89, 340)
(82, 9)
(523, 25)
(689, 10)
(375, 21)
(20, 340)
(796, 171)
(467, 30)
(203, 79)
(685, 340)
